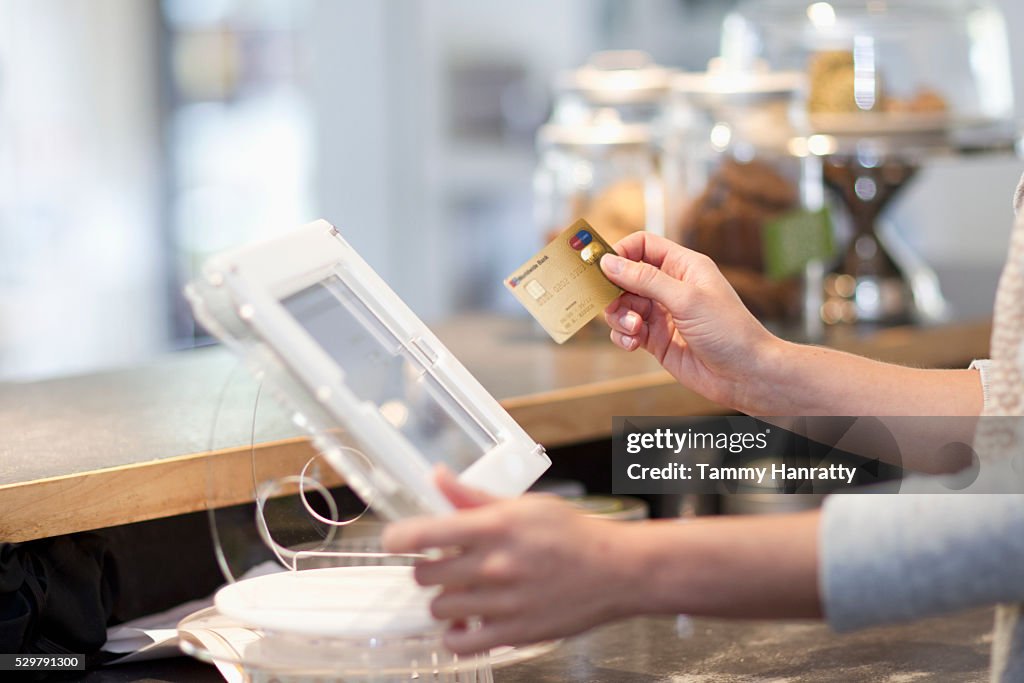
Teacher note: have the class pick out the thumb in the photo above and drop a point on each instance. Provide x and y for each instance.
(643, 279)
(460, 495)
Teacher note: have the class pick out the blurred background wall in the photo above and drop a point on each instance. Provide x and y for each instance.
(138, 136)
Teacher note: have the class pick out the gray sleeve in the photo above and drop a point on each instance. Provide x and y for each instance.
(887, 558)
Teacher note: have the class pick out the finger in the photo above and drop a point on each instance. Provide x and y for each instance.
(625, 300)
(661, 335)
(644, 246)
(646, 280)
(466, 604)
(626, 321)
(460, 495)
(467, 641)
(626, 341)
(641, 304)
(631, 314)
(459, 530)
(459, 570)
(680, 262)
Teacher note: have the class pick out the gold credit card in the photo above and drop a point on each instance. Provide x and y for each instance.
(563, 286)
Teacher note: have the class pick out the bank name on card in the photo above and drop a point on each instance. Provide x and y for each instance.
(563, 286)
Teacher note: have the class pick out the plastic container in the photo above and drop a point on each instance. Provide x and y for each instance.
(358, 624)
(350, 613)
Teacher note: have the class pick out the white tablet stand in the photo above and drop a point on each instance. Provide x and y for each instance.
(358, 369)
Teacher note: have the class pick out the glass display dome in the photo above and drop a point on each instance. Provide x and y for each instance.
(887, 85)
(602, 169)
(881, 66)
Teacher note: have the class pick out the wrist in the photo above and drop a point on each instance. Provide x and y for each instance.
(637, 567)
(626, 584)
(768, 379)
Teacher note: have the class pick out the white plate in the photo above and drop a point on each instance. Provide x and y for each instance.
(376, 601)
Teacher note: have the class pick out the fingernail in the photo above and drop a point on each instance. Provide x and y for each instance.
(627, 341)
(612, 264)
(629, 320)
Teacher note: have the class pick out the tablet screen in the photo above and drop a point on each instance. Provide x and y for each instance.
(379, 369)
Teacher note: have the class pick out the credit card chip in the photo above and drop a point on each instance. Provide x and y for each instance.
(535, 289)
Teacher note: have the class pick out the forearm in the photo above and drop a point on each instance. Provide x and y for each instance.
(725, 567)
(795, 379)
(929, 554)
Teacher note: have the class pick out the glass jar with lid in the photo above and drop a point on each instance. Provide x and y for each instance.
(598, 154)
(628, 81)
(736, 179)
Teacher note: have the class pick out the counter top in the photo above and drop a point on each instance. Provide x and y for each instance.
(647, 650)
(128, 445)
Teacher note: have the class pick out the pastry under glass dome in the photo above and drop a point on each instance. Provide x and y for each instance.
(877, 67)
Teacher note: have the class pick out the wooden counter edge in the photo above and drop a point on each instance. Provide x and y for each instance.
(143, 491)
(178, 485)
